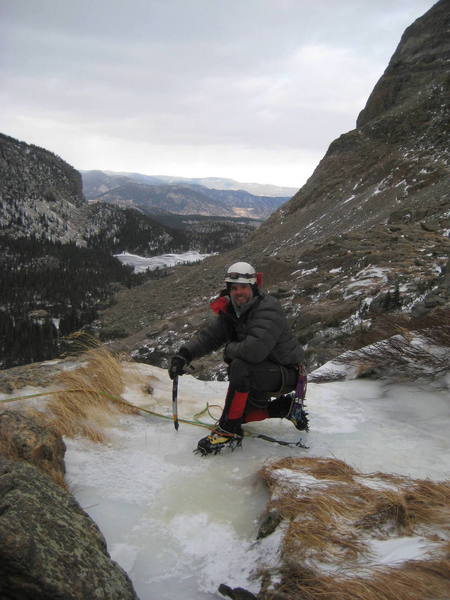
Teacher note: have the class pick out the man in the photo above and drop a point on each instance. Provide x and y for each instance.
(263, 358)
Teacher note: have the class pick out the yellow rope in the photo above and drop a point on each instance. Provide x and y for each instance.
(195, 422)
(116, 399)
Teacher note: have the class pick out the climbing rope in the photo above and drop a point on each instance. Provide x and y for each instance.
(195, 419)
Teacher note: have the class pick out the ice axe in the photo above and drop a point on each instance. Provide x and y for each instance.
(175, 402)
(175, 398)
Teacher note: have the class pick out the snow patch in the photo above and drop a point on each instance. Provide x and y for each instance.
(397, 550)
(145, 263)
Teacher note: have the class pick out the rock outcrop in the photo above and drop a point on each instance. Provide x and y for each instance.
(419, 64)
(50, 548)
(23, 438)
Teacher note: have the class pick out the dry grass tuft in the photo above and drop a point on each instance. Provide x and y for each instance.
(332, 522)
(90, 395)
(329, 468)
(428, 502)
(416, 580)
(326, 468)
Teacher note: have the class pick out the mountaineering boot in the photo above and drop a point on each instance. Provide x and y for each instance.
(298, 415)
(217, 440)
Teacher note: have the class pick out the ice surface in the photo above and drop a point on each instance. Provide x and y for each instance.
(181, 525)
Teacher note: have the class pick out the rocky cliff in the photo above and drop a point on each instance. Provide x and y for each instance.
(394, 166)
(39, 193)
(368, 234)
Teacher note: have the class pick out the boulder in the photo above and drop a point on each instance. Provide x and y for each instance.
(50, 547)
(237, 593)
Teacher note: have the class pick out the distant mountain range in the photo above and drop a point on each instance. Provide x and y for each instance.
(216, 183)
(211, 197)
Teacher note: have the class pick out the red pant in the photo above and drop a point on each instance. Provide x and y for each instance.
(250, 389)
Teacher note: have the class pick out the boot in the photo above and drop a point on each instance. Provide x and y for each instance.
(280, 407)
(288, 407)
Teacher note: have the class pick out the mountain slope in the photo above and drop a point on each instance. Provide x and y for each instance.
(40, 194)
(394, 166)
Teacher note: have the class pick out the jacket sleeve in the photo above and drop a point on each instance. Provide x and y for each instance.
(211, 337)
(264, 329)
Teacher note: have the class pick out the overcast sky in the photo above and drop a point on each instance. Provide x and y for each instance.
(254, 90)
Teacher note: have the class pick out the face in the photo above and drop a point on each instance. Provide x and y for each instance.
(241, 293)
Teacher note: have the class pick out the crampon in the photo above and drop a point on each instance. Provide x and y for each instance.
(216, 441)
(298, 416)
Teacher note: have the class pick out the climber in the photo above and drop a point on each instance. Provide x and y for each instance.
(262, 355)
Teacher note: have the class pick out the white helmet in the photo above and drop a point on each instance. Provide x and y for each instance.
(241, 272)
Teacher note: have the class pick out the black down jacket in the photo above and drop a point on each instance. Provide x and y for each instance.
(261, 332)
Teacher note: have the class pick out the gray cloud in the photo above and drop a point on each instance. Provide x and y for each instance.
(251, 89)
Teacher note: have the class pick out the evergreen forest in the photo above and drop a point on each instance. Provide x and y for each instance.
(49, 290)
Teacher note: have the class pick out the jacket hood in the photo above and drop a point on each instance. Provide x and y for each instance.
(220, 304)
(223, 302)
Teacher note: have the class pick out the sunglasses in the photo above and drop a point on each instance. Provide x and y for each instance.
(241, 275)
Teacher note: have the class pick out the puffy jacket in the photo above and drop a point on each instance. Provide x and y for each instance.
(261, 332)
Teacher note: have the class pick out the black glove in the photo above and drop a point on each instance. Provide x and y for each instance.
(227, 354)
(226, 358)
(177, 364)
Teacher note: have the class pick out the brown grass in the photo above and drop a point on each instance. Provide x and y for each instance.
(428, 502)
(326, 468)
(415, 580)
(87, 403)
(334, 522)
(386, 509)
(90, 395)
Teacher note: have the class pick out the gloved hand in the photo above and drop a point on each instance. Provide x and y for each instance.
(226, 358)
(227, 353)
(177, 364)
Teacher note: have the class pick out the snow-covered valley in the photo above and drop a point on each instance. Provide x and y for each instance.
(143, 263)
